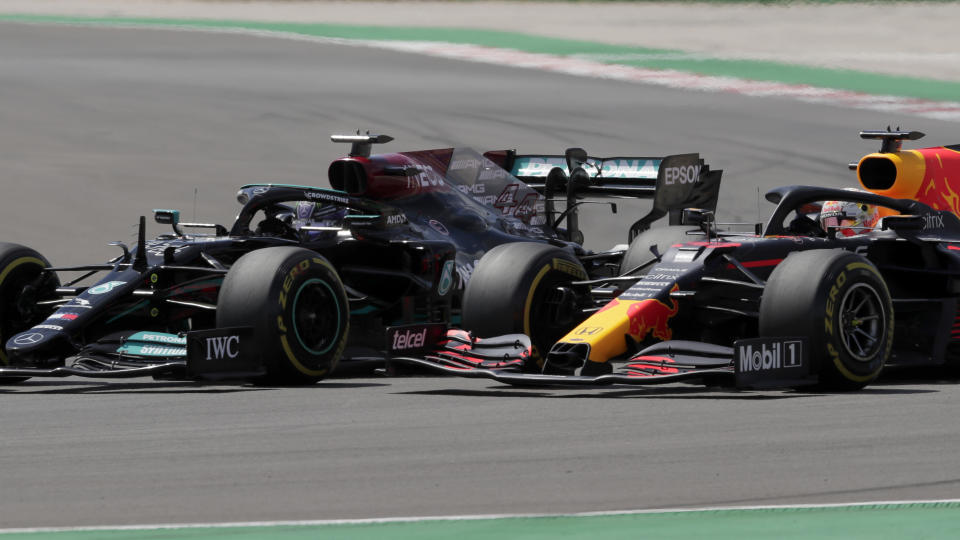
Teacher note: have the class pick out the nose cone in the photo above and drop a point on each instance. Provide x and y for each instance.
(32, 341)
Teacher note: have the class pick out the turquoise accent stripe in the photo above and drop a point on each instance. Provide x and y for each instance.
(931, 520)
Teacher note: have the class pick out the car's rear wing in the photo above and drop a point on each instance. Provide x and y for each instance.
(628, 176)
(673, 182)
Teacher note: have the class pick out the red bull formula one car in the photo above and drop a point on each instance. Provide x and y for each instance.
(837, 284)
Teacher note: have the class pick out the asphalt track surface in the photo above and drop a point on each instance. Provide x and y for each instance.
(98, 126)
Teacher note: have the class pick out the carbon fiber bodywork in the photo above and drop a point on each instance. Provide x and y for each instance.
(403, 231)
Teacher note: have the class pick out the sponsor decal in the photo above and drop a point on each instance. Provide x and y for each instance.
(832, 303)
(414, 338)
(439, 227)
(529, 208)
(767, 356)
(631, 168)
(158, 338)
(771, 362)
(398, 219)
(64, 316)
(222, 347)
(157, 248)
(104, 288)
(299, 268)
(49, 327)
(222, 350)
(427, 177)
(932, 221)
(588, 330)
(465, 271)
(492, 173)
(403, 340)
(940, 185)
(28, 339)
(651, 316)
(79, 302)
(446, 278)
(476, 189)
(507, 198)
(305, 209)
(468, 163)
(569, 268)
(324, 196)
(689, 174)
(260, 190)
(539, 167)
(152, 350)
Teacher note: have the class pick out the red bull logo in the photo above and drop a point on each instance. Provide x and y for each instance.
(651, 316)
(928, 175)
(941, 181)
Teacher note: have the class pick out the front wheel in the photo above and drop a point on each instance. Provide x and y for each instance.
(22, 283)
(297, 306)
(524, 287)
(840, 302)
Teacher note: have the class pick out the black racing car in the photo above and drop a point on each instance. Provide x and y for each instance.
(306, 276)
(836, 285)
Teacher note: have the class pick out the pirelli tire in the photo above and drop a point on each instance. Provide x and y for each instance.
(663, 238)
(524, 287)
(840, 303)
(296, 304)
(20, 268)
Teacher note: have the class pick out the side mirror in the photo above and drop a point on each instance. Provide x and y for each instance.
(167, 217)
(696, 216)
(907, 223)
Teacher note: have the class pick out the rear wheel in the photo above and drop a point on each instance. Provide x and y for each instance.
(21, 285)
(839, 301)
(524, 287)
(296, 304)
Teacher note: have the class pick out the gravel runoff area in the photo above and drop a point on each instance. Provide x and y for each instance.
(909, 38)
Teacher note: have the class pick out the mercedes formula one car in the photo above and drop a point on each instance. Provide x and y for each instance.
(834, 286)
(307, 276)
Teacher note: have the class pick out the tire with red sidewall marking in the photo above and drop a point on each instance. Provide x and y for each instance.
(840, 303)
(522, 288)
(297, 306)
(20, 267)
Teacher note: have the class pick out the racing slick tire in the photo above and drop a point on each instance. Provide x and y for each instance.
(297, 306)
(662, 237)
(840, 303)
(516, 288)
(20, 267)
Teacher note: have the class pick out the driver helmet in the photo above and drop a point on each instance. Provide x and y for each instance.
(849, 217)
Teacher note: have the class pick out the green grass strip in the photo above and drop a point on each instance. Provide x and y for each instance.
(875, 521)
(856, 81)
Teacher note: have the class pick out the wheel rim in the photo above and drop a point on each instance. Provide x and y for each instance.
(863, 322)
(316, 316)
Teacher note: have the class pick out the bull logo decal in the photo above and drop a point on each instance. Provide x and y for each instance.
(651, 315)
(940, 183)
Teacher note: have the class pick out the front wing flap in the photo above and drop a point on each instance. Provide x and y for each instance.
(750, 363)
(435, 347)
(217, 354)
